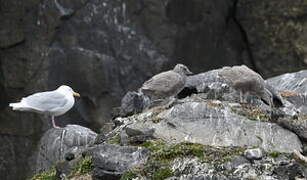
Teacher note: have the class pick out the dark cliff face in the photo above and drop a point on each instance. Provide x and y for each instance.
(201, 34)
(104, 48)
(276, 34)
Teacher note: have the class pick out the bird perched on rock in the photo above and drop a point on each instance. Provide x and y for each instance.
(52, 103)
(166, 84)
(248, 82)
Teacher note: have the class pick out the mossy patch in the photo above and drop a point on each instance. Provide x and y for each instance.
(83, 166)
(153, 146)
(162, 174)
(46, 175)
(220, 155)
(183, 149)
(158, 165)
(274, 154)
(114, 140)
(164, 153)
(129, 175)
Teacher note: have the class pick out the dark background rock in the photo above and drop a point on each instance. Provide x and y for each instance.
(275, 33)
(105, 48)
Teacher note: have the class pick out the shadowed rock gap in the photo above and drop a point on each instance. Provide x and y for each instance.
(187, 91)
(245, 38)
(3, 96)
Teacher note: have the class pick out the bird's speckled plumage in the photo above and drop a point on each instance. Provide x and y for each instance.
(166, 84)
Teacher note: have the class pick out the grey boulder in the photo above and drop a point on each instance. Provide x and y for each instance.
(56, 143)
(132, 102)
(111, 161)
(293, 87)
(254, 154)
(214, 124)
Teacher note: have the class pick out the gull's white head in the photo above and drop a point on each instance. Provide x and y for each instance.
(66, 89)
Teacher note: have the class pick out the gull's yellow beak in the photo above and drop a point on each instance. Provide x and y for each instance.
(76, 94)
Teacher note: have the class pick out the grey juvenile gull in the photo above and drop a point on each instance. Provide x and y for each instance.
(166, 84)
(52, 103)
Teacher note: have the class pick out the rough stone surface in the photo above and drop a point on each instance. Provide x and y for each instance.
(204, 123)
(137, 131)
(254, 154)
(295, 81)
(265, 169)
(111, 161)
(296, 125)
(293, 88)
(15, 150)
(214, 124)
(132, 103)
(56, 143)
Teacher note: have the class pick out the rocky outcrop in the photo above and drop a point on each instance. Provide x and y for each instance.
(295, 82)
(213, 115)
(209, 133)
(57, 143)
(292, 86)
(239, 168)
(216, 124)
(112, 161)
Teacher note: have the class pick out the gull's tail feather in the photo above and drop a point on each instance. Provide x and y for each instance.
(19, 106)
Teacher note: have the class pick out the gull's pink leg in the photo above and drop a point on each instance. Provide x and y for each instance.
(53, 123)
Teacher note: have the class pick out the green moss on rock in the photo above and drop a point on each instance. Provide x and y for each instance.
(162, 155)
(84, 166)
(153, 146)
(183, 149)
(45, 175)
(129, 175)
(274, 154)
(114, 140)
(162, 174)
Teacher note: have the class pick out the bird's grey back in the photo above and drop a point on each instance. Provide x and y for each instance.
(163, 85)
(45, 101)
